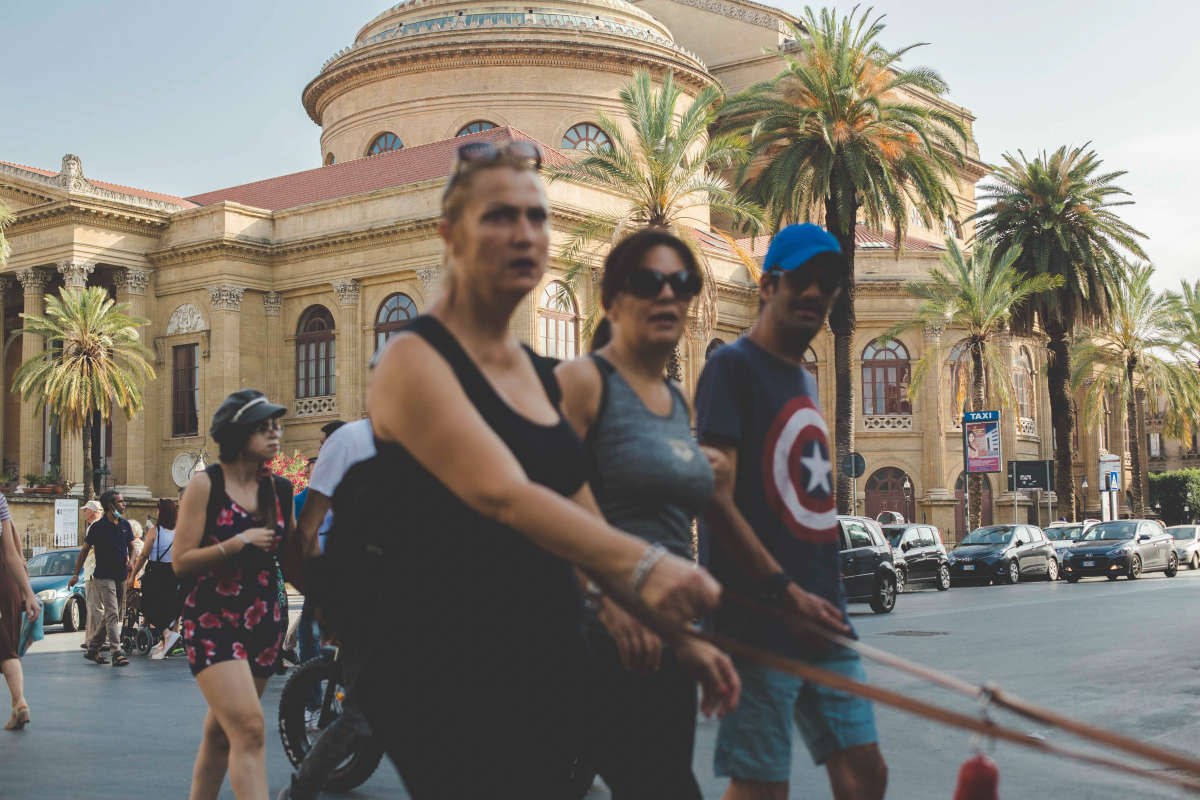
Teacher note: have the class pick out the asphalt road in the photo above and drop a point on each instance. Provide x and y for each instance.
(1125, 655)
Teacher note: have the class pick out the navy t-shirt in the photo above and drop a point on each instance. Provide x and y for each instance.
(110, 542)
(768, 409)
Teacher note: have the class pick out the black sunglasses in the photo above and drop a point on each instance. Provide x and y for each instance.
(647, 283)
(827, 279)
(476, 153)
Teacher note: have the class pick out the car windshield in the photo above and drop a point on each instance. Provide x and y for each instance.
(1116, 530)
(1064, 533)
(894, 534)
(1183, 532)
(996, 534)
(47, 564)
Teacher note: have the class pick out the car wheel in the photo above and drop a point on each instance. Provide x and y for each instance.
(1194, 563)
(1113, 577)
(1135, 567)
(1172, 566)
(943, 582)
(1051, 569)
(884, 599)
(1013, 573)
(901, 581)
(1075, 578)
(72, 615)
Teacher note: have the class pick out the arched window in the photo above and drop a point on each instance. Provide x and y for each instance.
(713, 346)
(885, 377)
(384, 143)
(810, 364)
(315, 362)
(586, 136)
(394, 313)
(1023, 383)
(885, 492)
(478, 126)
(558, 322)
(914, 217)
(329, 159)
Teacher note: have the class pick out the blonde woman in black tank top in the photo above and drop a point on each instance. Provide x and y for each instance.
(651, 478)
(485, 526)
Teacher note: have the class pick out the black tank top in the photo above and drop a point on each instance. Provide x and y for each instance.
(475, 600)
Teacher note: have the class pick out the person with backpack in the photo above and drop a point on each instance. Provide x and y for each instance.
(160, 586)
(234, 517)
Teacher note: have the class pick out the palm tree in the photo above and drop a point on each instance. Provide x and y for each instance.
(93, 359)
(1058, 209)
(973, 295)
(663, 176)
(839, 138)
(1135, 354)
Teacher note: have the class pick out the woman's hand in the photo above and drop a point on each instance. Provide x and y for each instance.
(714, 670)
(677, 591)
(722, 467)
(32, 606)
(262, 538)
(640, 648)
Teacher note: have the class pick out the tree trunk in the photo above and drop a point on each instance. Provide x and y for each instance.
(1135, 450)
(974, 479)
(89, 481)
(1058, 376)
(842, 321)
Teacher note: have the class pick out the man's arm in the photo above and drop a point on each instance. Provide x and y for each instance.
(310, 520)
(83, 553)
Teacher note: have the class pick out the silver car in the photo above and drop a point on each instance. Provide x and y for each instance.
(1187, 544)
(1064, 535)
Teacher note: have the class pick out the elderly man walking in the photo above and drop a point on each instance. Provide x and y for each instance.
(111, 538)
(92, 511)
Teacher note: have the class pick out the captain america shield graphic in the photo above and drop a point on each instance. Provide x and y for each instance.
(797, 472)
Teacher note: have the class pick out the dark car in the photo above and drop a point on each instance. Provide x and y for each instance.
(1004, 553)
(868, 571)
(920, 555)
(48, 575)
(1064, 535)
(1119, 547)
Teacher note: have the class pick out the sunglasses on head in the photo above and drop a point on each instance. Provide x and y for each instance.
(647, 283)
(827, 279)
(476, 153)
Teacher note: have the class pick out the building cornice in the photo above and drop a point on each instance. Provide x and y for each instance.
(745, 11)
(96, 213)
(71, 180)
(375, 65)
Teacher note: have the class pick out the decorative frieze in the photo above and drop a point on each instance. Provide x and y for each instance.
(740, 12)
(185, 319)
(315, 406)
(132, 280)
(226, 297)
(75, 273)
(33, 280)
(933, 333)
(272, 302)
(347, 291)
(887, 422)
(1027, 428)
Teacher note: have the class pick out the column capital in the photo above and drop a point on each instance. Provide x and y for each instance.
(132, 280)
(347, 291)
(226, 297)
(933, 333)
(75, 272)
(272, 302)
(429, 278)
(33, 280)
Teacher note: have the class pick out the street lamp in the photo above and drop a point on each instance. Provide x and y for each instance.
(907, 497)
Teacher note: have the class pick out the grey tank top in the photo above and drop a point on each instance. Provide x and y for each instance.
(649, 475)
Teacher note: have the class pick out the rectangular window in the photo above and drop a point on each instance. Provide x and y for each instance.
(185, 390)
(1154, 444)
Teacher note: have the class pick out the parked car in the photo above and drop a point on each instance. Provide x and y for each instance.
(868, 569)
(920, 555)
(1119, 547)
(1187, 544)
(1005, 553)
(48, 575)
(889, 518)
(1064, 535)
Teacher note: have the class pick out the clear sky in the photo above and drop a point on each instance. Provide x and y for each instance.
(186, 97)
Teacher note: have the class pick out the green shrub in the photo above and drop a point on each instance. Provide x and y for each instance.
(1174, 490)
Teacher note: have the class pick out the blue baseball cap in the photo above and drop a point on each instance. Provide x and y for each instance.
(796, 244)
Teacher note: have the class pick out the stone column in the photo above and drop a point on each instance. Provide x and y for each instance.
(75, 275)
(351, 367)
(691, 349)
(939, 502)
(32, 450)
(130, 454)
(1002, 510)
(225, 361)
(275, 366)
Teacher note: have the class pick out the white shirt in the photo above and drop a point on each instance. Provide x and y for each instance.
(349, 444)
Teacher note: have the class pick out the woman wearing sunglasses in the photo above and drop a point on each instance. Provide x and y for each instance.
(233, 518)
(478, 689)
(650, 478)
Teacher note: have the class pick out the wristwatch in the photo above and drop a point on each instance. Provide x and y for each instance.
(773, 588)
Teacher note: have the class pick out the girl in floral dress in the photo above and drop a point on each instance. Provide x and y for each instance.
(231, 523)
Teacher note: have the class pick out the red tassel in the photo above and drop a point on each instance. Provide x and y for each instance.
(979, 779)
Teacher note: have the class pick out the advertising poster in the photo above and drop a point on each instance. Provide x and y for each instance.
(981, 441)
(66, 523)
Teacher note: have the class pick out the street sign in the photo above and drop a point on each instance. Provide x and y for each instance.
(981, 441)
(66, 523)
(854, 465)
(1031, 475)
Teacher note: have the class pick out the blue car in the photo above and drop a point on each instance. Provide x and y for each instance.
(48, 574)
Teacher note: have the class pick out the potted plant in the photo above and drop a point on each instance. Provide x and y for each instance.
(55, 483)
(32, 481)
(8, 480)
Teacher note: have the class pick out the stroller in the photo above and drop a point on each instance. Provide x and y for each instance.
(136, 634)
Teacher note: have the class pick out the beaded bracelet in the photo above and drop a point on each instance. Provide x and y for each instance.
(654, 553)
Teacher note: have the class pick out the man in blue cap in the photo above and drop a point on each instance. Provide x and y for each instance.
(773, 534)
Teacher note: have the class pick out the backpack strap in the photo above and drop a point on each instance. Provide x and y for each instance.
(215, 496)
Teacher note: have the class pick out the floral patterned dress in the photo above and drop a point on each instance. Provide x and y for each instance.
(233, 611)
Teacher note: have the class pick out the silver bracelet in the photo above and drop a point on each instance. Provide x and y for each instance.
(221, 547)
(245, 540)
(654, 553)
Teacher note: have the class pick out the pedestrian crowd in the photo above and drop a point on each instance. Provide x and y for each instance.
(504, 548)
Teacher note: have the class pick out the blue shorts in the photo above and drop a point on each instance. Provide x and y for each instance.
(754, 741)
